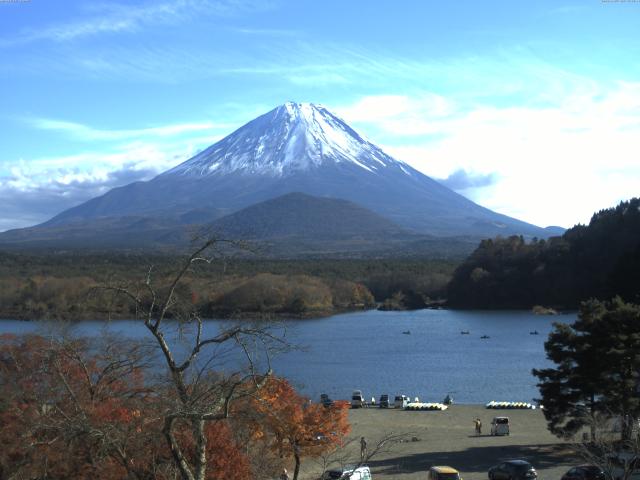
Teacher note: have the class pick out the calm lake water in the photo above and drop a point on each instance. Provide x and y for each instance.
(370, 352)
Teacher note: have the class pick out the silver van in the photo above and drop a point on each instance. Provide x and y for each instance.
(500, 426)
(357, 400)
(401, 401)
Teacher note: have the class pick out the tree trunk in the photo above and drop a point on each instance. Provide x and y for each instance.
(176, 451)
(201, 449)
(296, 456)
(627, 428)
(593, 418)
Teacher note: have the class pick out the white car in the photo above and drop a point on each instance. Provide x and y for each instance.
(360, 473)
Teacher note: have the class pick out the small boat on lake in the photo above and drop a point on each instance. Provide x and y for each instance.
(407, 332)
(534, 332)
(464, 332)
(485, 336)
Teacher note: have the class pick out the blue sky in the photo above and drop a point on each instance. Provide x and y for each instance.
(529, 108)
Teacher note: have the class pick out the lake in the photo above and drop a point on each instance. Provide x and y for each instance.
(369, 351)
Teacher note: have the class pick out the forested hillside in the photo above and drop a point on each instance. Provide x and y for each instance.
(63, 285)
(599, 260)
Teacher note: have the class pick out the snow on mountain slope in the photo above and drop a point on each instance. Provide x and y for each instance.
(298, 147)
(290, 138)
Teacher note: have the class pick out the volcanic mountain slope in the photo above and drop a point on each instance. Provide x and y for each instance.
(364, 195)
(300, 215)
(290, 226)
(300, 148)
(300, 225)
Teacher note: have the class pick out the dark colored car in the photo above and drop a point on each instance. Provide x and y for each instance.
(584, 472)
(513, 470)
(384, 401)
(325, 400)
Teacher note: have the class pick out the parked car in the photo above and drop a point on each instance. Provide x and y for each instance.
(357, 400)
(584, 472)
(384, 401)
(325, 400)
(500, 426)
(401, 401)
(443, 473)
(360, 473)
(513, 470)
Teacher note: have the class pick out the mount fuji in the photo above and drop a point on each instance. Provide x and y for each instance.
(296, 147)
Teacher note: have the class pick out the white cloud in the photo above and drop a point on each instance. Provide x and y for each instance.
(85, 132)
(462, 180)
(34, 191)
(388, 109)
(556, 164)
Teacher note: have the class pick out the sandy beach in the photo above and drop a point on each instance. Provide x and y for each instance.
(448, 438)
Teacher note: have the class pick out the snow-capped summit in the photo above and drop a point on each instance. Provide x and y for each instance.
(296, 147)
(289, 138)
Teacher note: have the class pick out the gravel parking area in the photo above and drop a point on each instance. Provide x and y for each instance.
(448, 438)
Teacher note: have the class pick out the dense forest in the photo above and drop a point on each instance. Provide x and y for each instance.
(600, 260)
(64, 285)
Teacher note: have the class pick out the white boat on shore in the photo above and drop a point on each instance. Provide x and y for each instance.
(426, 406)
(510, 405)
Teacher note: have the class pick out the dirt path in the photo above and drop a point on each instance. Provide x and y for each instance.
(448, 438)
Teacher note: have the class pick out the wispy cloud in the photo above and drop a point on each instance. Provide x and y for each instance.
(110, 18)
(283, 55)
(84, 132)
(268, 32)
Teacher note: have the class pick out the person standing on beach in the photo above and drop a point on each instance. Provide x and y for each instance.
(363, 449)
(476, 424)
(479, 427)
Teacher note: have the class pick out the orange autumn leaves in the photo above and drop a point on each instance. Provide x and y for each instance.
(294, 426)
(71, 409)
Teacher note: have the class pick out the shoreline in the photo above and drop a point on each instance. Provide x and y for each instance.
(267, 316)
(250, 316)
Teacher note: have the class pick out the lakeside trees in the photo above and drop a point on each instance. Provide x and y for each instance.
(597, 369)
(61, 286)
(600, 260)
(74, 408)
(296, 427)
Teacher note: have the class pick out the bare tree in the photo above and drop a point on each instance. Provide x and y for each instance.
(199, 394)
(600, 444)
(347, 458)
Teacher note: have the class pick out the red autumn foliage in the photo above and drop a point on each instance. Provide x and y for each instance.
(67, 411)
(294, 426)
(70, 409)
(225, 459)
